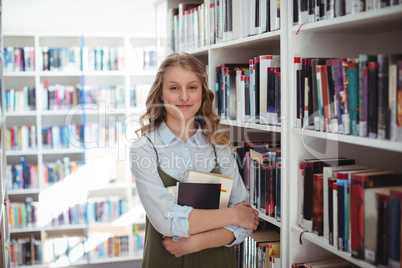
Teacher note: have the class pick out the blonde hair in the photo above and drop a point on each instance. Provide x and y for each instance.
(155, 113)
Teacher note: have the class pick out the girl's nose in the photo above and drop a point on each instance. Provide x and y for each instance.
(184, 95)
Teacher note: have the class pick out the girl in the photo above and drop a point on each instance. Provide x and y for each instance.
(180, 131)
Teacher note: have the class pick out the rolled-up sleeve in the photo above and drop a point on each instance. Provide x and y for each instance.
(166, 217)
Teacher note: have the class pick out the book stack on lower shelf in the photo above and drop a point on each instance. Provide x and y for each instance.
(261, 248)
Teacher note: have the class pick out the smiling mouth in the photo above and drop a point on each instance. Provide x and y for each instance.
(184, 106)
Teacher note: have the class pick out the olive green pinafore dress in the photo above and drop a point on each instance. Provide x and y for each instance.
(156, 256)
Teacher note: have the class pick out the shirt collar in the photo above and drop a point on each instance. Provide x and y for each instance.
(167, 136)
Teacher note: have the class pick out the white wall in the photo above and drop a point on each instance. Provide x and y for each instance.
(136, 17)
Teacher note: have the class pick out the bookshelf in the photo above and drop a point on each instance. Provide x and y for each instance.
(4, 227)
(105, 97)
(369, 32)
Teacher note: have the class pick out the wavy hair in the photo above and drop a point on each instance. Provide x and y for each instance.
(155, 113)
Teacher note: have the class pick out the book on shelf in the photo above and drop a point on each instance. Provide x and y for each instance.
(19, 100)
(359, 182)
(21, 137)
(205, 177)
(398, 101)
(318, 212)
(56, 59)
(272, 248)
(381, 216)
(394, 227)
(300, 193)
(264, 183)
(254, 253)
(19, 59)
(337, 262)
(312, 167)
(352, 96)
(275, 261)
(227, 88)
(329, 172)
(26, 251)
(383, 131)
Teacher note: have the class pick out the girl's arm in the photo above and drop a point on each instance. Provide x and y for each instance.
(210, 239)
(242, 215)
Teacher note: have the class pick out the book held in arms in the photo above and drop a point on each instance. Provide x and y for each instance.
(198, 195)
(225, 181)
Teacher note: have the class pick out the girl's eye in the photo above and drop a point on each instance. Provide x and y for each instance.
(192, 87)
(174, 88)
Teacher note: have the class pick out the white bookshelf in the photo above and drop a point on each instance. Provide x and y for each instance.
(371, 32)
(121, 185)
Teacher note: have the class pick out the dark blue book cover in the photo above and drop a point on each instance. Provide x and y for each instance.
(199, 195)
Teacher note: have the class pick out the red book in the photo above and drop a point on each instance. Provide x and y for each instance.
(318, 204)
(359, 182)
(12, 137)
(324, 96)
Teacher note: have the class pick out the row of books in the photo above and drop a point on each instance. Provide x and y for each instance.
(143, 58)
(26, 251)
(75, 214)
(22, 176)
(54, 172)
(259, 16)
(138, 95)
(260, 164)
(22, 59)
(22, 214)
(106, 210)
(105, 95)
(21, 138)
(117, 246)
(338, 199)
(19, 100)
(62, 137)
(260, 249)
(356, 96)
(60, 97)
(250, 91)
(306, 11)
(90, 135)
(19, 59)
(61, 59)
(103, 58)
(64, 97)
(198, 24)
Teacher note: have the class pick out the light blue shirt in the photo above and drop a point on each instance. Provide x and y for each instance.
(175, 157)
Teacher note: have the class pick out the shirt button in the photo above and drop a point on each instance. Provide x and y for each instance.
(185, 148)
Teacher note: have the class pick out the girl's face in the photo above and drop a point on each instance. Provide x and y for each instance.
(181, 94)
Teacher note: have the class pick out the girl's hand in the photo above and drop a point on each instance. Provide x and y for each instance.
(182, 247)
(247, 217)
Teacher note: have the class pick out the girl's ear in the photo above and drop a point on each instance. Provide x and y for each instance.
(161, 97)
